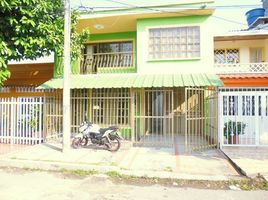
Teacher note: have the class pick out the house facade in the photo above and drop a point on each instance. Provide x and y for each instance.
(241, 61)
(149, 70)
(21, 105)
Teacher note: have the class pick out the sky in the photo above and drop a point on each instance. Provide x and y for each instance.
(232, 15)
(224, 19)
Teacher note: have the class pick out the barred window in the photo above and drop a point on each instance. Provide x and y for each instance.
(177, 42)
(230, 105)
(222, 56)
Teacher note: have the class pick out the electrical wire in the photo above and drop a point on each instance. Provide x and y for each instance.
(176, 12)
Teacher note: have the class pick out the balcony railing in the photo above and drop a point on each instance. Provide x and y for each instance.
(241, 68)
(116, 62)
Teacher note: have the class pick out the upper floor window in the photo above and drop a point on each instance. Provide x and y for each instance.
(107, 56)
(174, 42)
(109, 47)
(222, 56)
(256, 55)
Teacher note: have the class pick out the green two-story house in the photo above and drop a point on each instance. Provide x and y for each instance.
(147, 69)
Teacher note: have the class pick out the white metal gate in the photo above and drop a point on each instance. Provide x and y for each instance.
(21, 120)
(244, 116)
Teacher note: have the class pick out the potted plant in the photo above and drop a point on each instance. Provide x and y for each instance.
(232, 130)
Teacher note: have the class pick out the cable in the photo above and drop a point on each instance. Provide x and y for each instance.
(229, 20)
(177, 12)
(128, 5)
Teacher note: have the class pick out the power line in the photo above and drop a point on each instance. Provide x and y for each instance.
(176, 12)
(129, 6)
(228, 20)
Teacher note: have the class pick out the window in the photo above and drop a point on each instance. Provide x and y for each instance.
(256, 55)
(230, 105)
(177, 42)
(107, 55)
(248, 105)
(222, 56)
(110, 47)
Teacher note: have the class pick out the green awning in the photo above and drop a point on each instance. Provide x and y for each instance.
(135, 81)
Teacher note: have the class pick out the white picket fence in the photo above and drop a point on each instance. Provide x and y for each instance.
(21, 120)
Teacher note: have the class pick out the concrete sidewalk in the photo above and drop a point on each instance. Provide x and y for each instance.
(137, 161)
(251, 160)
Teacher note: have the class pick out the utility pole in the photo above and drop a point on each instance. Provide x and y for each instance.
(66, 77)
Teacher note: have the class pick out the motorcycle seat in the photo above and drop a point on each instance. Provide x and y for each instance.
(102, 130)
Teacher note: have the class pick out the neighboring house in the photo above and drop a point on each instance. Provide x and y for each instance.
(148, 70)
(21, 105)
(241, 61)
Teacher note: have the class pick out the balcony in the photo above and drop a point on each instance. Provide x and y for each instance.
(115, 62)
(234, 68)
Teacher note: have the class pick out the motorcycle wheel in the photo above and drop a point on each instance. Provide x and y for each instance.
(84, 141)
(114, 146)
(76, 143)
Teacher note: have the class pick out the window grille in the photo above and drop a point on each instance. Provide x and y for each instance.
(222, 56)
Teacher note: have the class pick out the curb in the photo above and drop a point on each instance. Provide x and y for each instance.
(47, 166)
(239, 170)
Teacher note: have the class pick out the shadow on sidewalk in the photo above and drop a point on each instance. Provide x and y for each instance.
(52, 147)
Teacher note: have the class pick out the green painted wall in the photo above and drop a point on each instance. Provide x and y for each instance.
(113, 36)
(58, 67)
(202, 64)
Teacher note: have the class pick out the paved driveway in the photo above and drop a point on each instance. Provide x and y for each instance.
(9, 148)
(138, 161)
(252, 160)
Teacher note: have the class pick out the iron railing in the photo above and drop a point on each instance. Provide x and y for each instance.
(115, 62)
(231, 68)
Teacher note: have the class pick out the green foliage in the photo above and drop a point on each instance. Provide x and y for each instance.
(113, 174)
(33, 28)
(78, 172)
(232, 127)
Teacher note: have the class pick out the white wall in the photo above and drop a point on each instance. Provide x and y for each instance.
(244, 47)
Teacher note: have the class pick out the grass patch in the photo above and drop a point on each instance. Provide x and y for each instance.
(168, 169)
(114, 174)
(265, 186)
(256, 183)
(78, 172)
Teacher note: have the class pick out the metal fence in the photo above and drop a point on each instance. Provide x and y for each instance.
(146, 117)
(201, 125)
(104, 107)
(21, 120)
(53, 115)
(154, 117)
(244, 116)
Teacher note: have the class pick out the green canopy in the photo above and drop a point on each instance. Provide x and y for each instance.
(135, 81)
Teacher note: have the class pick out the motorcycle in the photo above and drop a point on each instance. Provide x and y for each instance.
(108, 137)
